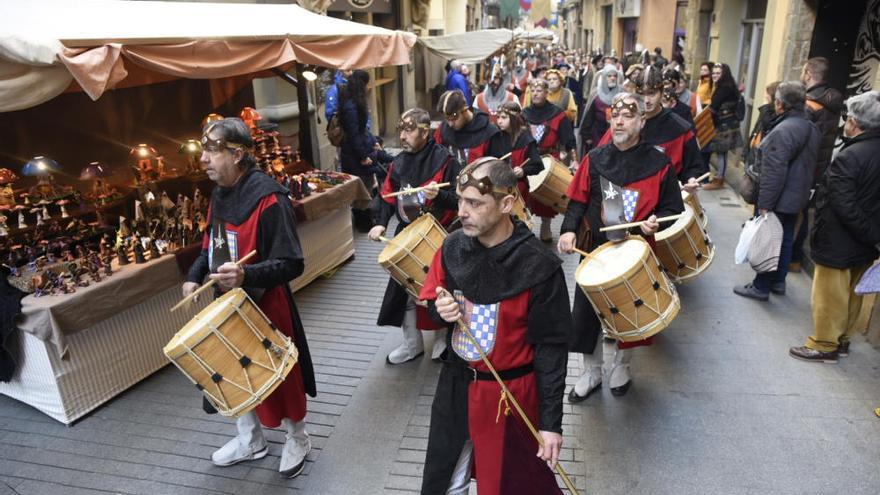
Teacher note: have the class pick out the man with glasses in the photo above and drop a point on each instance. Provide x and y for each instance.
(628, 166)
(464, 132)
(510, 290)
(250, 211)
(421, 163)
(554, 134)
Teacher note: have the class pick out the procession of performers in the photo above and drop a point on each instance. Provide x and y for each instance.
(494, 296)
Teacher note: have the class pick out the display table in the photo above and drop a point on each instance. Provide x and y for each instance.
(79, 350)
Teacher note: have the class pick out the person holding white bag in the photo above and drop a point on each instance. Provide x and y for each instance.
(787, 158)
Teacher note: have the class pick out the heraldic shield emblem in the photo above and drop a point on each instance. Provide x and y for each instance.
(483, 322)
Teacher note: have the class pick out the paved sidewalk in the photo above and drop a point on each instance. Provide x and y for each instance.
(717, 407)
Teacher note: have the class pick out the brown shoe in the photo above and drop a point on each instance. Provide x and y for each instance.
(715, 184)
(795, 267)
(804, 353)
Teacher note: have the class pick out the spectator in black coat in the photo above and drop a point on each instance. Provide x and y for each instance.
(787, 160)
(358, 145)
(846, 236)
(728, 136)
(824, 105)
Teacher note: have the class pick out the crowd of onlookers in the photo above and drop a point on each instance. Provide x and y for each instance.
(827, 196)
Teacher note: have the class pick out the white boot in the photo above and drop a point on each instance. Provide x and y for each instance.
(439, 344)
(546, 234)
(591, 379)
(296, 448)
(620, 379)
(413, 345)
(248, 445)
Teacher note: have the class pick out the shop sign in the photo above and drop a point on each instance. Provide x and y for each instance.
(374, 6)
(627, 8)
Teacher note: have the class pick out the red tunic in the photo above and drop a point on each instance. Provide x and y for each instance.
(510, 350)
(289, 399)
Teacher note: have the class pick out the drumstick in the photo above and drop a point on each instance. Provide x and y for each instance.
(209, 284)
(413, 190)
(582, 253)
(704, 177)
(670, 218)
(467, 331)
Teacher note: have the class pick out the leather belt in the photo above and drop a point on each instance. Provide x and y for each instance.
(511, 374)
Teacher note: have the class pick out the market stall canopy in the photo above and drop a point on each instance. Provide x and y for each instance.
(476, 46)
(50, 46)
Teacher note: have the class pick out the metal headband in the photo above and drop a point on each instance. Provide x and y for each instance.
(621, 104)
(483, 184)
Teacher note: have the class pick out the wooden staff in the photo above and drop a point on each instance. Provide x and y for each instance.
(467, 331)
(209, 284)
(413, 190)
(670, 218)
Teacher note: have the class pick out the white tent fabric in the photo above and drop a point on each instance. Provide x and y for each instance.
(476, 46)
(47, 44)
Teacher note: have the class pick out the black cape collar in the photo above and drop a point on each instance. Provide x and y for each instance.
(476, 132)
(489, 275)
(538, 114)
(235, 204)
(416, 168)
(664, 127)
(625, 167)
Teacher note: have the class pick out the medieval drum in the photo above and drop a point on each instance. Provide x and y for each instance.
(233, 353)
(694, 201)
(631, 295)
(684, 248)
(409, 254)
(550, 185)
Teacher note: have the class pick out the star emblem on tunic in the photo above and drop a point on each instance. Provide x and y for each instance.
(610, 193)
(218, 241)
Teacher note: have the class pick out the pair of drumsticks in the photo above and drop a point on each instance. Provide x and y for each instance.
(412, 190)
(210, 284)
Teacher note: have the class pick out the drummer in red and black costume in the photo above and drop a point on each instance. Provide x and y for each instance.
(555, 136)
(516, 139)
(465, 132)
(668, 131)
(251, 211)
(627, 165)
(422, 162)
(512, 291)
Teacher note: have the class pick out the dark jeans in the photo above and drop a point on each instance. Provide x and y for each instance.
(797, 251)
(763, 281)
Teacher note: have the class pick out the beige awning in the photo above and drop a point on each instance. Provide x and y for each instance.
(476, 46)
(50, 46)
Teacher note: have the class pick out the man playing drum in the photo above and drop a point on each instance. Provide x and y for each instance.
(250, 211)
(511, 290)
(638, 178)
(465, 132)
(422, 162)
(555, 136)
(667, 131)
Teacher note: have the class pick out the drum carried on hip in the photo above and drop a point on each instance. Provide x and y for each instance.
(409, 254)
(233, 353)
(631, 295)
(684, 248)
(549, 187)
(694, 201)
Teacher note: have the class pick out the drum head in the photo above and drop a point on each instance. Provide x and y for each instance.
(678, 226)
(536, 180)
(611, 261)
(197, 328)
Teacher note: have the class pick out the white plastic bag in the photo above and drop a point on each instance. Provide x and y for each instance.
(740, 256)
